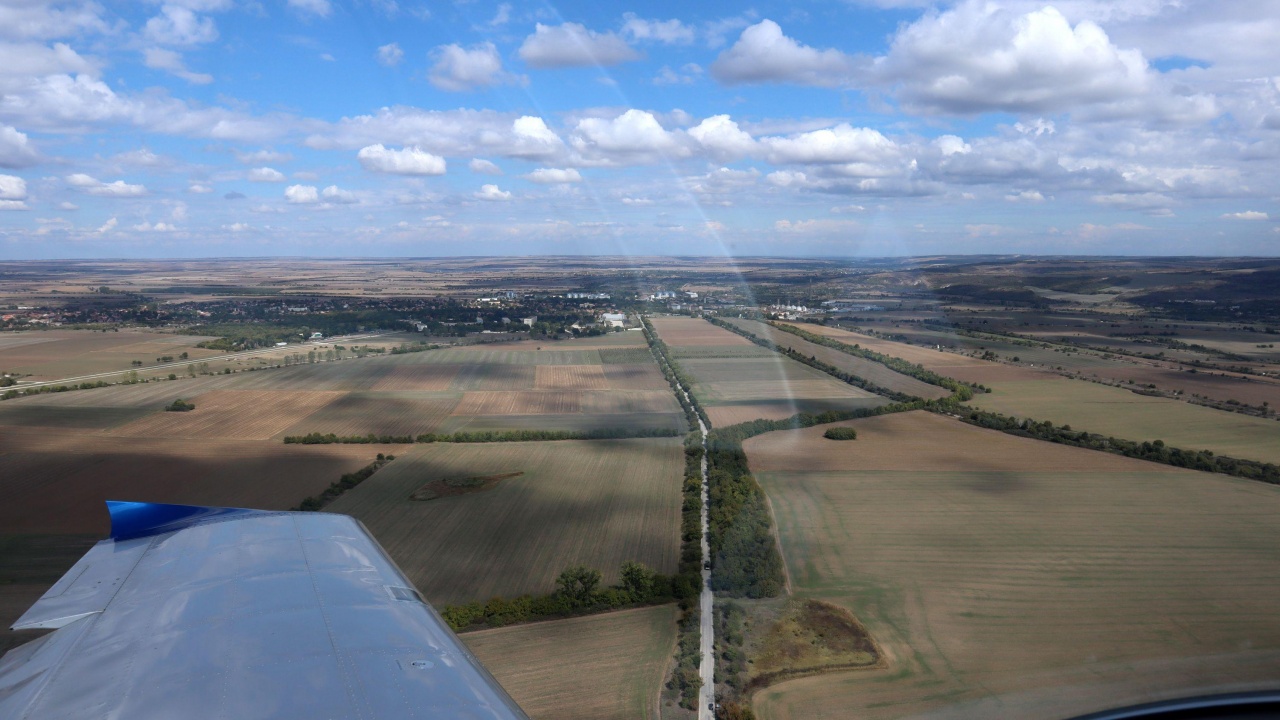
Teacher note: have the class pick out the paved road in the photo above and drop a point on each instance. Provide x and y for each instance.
(707, 695)
(184, 363)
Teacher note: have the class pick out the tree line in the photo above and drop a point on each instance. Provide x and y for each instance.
(578, 592)
(345, 483)
(1152, 450)
(480, 436)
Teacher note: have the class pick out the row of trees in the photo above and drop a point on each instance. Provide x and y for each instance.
(1153, 450)
(480, 436)
(45, 389)
(345, 483)
(685, 680)
(578, 592)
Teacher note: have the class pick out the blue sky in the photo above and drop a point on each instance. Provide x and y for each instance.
(195, 128)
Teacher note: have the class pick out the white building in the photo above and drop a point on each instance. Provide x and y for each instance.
(613, 319)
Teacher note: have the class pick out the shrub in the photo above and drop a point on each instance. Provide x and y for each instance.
(180, 405)
(840, 433)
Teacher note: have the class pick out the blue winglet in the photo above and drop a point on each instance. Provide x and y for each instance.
(141, 519)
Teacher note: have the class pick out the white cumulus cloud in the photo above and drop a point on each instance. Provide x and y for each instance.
(492, 193)
(671, 32)
(481, 166)
(763, 54)
(93, 186)
(458, 69)
(16, 150)
(390, 54)
(550, 176)
(302, 194)
(722, 137)
(406, 161)
(573, 45)
(180, 26)
(1247, 215)
(335, 194)
(266, 174)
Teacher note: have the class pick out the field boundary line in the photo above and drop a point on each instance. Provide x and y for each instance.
(777, 538)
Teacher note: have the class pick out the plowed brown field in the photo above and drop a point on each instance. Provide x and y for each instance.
(380, 413)
(676, 331)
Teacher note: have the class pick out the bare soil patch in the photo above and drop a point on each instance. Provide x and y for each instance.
(635, 376)
(811, 637)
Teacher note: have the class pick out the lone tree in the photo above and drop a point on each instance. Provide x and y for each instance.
(578, 585)
(179, 405)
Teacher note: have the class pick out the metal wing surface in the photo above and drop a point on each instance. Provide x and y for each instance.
(189, 612)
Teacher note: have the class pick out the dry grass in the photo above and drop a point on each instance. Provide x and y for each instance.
(569, 377)
(1007, 577)
(1219, 386)
(241, 414)
(57, 481)
(677, 331)
(597, 503)
(518, 403)
(594, 668)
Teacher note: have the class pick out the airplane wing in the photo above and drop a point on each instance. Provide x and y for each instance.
(193, 612)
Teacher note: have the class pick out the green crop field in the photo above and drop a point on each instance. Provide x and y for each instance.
(598, 503)
(1000, 574)
(1114, 411)
(599, 667)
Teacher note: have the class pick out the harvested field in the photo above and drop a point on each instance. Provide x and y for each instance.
(597, 503)
(380, 413)
(74, 417)
(682, 331)
(569, 377)
(1218, 386)
(720, 351)
(578, 422)
(872, 371)
(951, 365)
(636, 377)
(468, 354)
(53, 354)
(351, 374)
(1009, 577)
(1113, 411)
(626, 355)
(57, 482)
(144, 396)
(418, 377)
(494, 377)
(240, 414)
(624, 402)
(518, 403)
(598, 667)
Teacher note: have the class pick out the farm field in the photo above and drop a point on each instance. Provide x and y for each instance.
(1118, 412)
(735, 386)
(241, 414)
(683, 331)
(951, 365)
(599, 667)
(1014, 578)
(1215, 385)
(53, 354)
(381, 413)
(598, 503)
(870, 370)
(57, 481)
